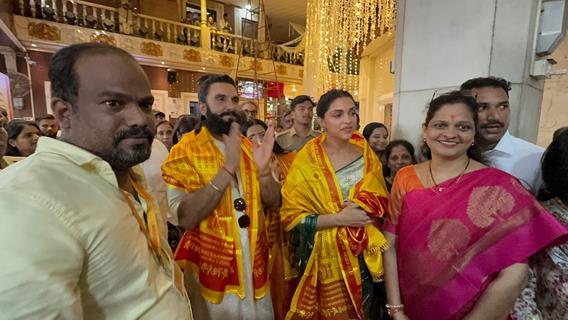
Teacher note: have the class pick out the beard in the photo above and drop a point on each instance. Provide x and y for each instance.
(122, 158)
(219, 126)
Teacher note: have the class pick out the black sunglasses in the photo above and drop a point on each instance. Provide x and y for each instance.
(241, 205)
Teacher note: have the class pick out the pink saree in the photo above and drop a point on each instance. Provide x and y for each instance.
(452, 243)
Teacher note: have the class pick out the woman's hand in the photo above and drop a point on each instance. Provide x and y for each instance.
(353, 216)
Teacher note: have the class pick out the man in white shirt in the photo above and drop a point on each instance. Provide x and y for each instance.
(89, 246)
(219, 186)
(518, 157)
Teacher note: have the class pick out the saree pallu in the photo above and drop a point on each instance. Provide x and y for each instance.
(466, 235)
(330, 286)
(283, 277)
(213, 249)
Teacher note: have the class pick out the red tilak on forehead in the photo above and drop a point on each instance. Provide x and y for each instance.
(453, 116)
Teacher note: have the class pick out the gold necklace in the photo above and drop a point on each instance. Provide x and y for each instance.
(437, 188)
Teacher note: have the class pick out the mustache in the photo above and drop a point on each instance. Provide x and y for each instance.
(134, 132)
(493, 123)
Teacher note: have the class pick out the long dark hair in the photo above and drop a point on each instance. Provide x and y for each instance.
(256, 122)
(388, 150)
(555, 169)
(454, 97)
(14, 128)
(184, 124)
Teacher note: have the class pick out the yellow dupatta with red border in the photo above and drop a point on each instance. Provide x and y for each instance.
(330, 287)
(213, 249)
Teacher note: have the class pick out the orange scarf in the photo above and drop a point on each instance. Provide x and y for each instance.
(213, 249)
(330, 287)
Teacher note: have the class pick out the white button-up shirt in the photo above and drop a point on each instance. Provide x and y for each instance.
(519, 158)
(70, 246)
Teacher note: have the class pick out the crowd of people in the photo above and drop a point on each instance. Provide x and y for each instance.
(113, 211)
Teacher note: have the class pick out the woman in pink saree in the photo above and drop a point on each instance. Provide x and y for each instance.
(460, 232)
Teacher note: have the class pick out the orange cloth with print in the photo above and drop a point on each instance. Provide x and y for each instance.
(283, 277)
(330, 287)
(213, 249)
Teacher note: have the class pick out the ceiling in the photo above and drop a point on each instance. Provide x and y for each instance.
(280, 13)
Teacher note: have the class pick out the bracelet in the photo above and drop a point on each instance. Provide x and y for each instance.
(394, 308)
(215, 187)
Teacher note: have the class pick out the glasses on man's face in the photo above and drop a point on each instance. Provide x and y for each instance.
(240, 205)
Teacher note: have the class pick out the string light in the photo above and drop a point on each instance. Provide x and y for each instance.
(337, 33)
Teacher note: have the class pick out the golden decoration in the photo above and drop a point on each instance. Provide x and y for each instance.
(226, 61)
(103, 38)
(256, 65)
(44, 31)
(301, 73)
(337, 32)
(281, 69)
(488, 204)
(192, 55)
(447, 238)
(151, 49)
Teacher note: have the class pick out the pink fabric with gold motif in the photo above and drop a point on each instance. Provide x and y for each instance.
(452, 243)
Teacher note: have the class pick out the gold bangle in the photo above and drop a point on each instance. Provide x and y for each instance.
(215, 187)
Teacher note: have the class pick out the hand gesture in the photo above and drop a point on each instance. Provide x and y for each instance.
(233, 147)
(353, 216)
(262, 152)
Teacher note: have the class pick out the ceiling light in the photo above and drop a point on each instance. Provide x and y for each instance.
(162, 62)
(34, 45)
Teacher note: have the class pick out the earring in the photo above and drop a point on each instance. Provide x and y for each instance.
(472, 144)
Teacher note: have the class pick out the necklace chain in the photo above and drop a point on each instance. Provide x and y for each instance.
(440, 189)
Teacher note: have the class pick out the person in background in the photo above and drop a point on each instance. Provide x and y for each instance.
(285, 121)
(125, 17)
(546, 296)
(211, 23)
(185, 123)
(164, 133)
(224, 24)
(453, 218)
(333, 198)
(377, 136)
(250, 109)
(3, 117)
(159, 116)
(48, 126)
(3, 144)
(301, 132)
(504, 151)
(398, 154)
(22, 138)
(283, 275)
(88, 246)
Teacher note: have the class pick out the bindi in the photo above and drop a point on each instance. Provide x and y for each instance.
(453, 116)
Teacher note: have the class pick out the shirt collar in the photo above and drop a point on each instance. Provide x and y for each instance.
(78, 156)
(310, 133)
(505, 145)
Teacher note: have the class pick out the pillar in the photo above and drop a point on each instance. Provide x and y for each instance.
(440, 44)
(205, 32)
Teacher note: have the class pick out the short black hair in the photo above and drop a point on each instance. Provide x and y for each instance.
(301, 99)
(207, 80)
(45, 117)
(185, 123)
(159, 114)
(482, 82)
(62, 73)
(327, 98)
(554, 168)
(252, 122)
(369, 128)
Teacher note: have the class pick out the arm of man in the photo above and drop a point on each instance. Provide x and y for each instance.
(193, 207)
(498, 299)
(270, 191)
(41, 262)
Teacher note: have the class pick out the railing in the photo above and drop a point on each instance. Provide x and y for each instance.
(91, 15)
(110, 19)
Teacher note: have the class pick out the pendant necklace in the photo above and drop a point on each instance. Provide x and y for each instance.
(436, 188)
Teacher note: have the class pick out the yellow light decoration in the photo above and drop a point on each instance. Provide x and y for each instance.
(337, 33)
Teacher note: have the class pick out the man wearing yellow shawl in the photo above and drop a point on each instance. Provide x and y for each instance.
(218, 189)
(333, 197)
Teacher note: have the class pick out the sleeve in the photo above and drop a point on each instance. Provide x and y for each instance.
(395, 204)
(41, 261)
